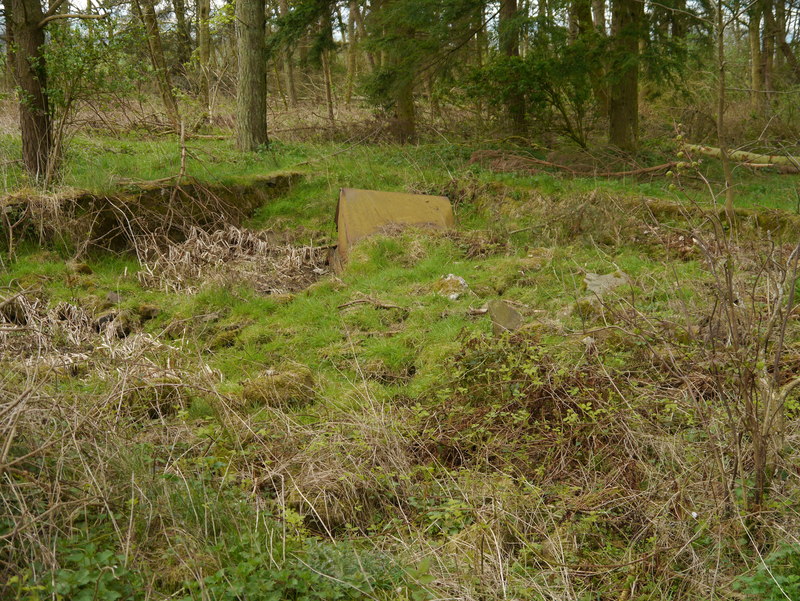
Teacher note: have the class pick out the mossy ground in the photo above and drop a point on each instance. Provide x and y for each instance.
(417, 455)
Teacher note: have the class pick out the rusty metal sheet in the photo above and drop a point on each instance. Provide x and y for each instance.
(361, 213)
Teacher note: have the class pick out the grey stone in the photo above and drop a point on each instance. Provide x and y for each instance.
(505, 318)
(600, 284)
(451, 286)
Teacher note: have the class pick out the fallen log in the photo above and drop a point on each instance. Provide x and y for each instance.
(781, 169)
(783, 163)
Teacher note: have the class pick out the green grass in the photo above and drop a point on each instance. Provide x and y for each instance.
(383, 372)
(97, 163)
(250, 333)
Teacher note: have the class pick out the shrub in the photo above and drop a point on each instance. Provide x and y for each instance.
(257, 569)
(90, 570)
(777, 578)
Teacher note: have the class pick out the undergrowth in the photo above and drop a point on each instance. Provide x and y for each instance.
(208, 430)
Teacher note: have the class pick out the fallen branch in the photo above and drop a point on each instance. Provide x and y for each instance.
(783, 163)
(782, 169)
(368, 300)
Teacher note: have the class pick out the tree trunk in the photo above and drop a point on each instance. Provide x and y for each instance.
(572, 21)
(382, 58)
(362, 33)
(404, 108)
(251, 86)
(786, 49)
(147, 13)
(584, 25)
(754, 38)
(768, 54)
(623, 111)
(183, 36)
(288, 64)
(351, 52)
(30, 74)
(204, 53)
(436, 107)
(508, 34)
(326, 74)
(582, 22)
(481, 39)
(721, 138)
(779, 28)
(599, 15)
(8, 70)
(279, 85)
(327, 29)
(480, 50)
(340, 22)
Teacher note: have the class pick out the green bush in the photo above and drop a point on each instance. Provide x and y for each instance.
(262, 568)
(777, 578)
(90, 570)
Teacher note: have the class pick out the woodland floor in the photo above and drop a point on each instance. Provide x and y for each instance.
(217, 415)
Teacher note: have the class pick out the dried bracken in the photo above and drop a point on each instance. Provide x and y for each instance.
(28, 327)
(233, 256)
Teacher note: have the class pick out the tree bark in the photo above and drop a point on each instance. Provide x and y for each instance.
(351, 52)
(599, 15)
(147, 13)
(30, 74)
(404, 108)
(362, 32)
(480, 52)
(508, 41)
(721, 101)
(786, 163)
(786, 49)
(582, 22)
(326, 74)
(584, 25)
(767, 55)
(626, 20)
(779, 28)
(754, 39)
(288, 64)
(340, 22)
(204, 53)
(251, 86)
(183, 36)
(481, 39)
(8, 70)
(327, 28)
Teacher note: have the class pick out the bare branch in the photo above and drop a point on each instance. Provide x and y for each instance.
(46, 20)
(52, 10)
